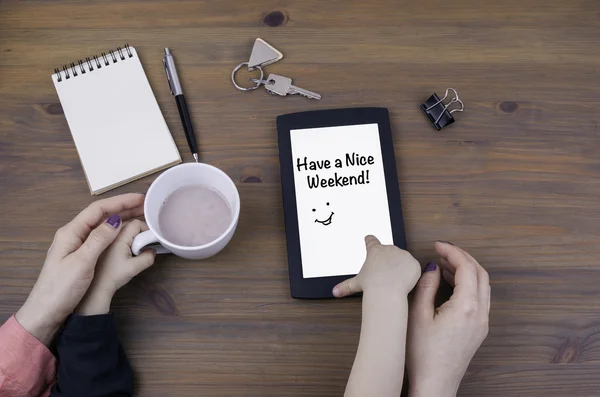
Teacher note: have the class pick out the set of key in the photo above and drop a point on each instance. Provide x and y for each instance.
(262, 55)
(282, 86)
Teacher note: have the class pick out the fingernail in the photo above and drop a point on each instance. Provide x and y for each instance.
(337, 292)
(431, 266)
(445, 242)
(114, 221)
(142, 193)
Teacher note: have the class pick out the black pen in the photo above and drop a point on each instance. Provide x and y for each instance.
(176, 90)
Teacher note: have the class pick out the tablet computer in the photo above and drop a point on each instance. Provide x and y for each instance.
(339, 184)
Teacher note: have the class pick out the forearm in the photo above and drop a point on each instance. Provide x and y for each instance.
(378, 369)
(27, 367)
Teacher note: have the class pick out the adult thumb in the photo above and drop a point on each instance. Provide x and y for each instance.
(99, 239)
(424, 300)
(346, 288)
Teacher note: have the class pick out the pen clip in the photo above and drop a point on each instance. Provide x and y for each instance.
(168, 76)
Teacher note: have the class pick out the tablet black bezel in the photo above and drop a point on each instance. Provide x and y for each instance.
(321, 287)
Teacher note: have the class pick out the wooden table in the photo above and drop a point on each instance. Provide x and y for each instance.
(515, 180)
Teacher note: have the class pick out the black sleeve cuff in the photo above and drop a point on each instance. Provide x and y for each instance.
(85, 326)
(91, 361)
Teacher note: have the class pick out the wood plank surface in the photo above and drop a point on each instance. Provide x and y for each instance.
(515, 180)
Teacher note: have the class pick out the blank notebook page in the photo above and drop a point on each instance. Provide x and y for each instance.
(118, 128)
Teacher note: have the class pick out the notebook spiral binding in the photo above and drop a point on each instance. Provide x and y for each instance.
(69, 71)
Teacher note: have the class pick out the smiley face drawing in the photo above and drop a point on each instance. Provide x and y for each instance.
(327, 221)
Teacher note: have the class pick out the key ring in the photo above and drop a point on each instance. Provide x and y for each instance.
(238, 67)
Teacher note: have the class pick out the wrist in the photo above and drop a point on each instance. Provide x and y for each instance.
(430, 388)
(38, 321)
(386, 294)
(96, 301)
(392, 306)
(426, 393)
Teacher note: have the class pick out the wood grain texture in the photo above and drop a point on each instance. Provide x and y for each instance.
(515, 180)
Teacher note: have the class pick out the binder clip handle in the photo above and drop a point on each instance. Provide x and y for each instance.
(439, 112)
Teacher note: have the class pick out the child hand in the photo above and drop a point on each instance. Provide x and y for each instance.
(387, 269)
(115, 269)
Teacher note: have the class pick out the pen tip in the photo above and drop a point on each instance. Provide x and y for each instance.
(195, 156)
(167, 51)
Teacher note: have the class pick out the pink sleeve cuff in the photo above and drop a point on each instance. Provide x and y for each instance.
(27, 367)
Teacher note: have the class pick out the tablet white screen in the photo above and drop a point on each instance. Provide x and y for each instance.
(341, 197)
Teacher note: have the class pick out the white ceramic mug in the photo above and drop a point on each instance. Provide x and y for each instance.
(171, 180)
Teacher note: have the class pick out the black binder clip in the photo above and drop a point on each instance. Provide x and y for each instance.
(438, 112)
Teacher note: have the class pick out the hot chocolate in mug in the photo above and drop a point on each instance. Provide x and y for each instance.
(179, 179)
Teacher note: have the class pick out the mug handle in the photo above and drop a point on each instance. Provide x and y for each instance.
(147, 239)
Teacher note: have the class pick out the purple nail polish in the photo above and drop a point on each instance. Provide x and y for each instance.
(431, 266)
(114, 221)
(445, 242)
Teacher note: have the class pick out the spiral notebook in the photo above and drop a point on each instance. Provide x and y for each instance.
(116, 123)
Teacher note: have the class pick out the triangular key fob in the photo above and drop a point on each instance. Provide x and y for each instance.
(263, 54)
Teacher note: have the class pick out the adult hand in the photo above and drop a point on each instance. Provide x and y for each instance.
(69, 267)
(387, 269)
(442, 342)
(115, 269)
